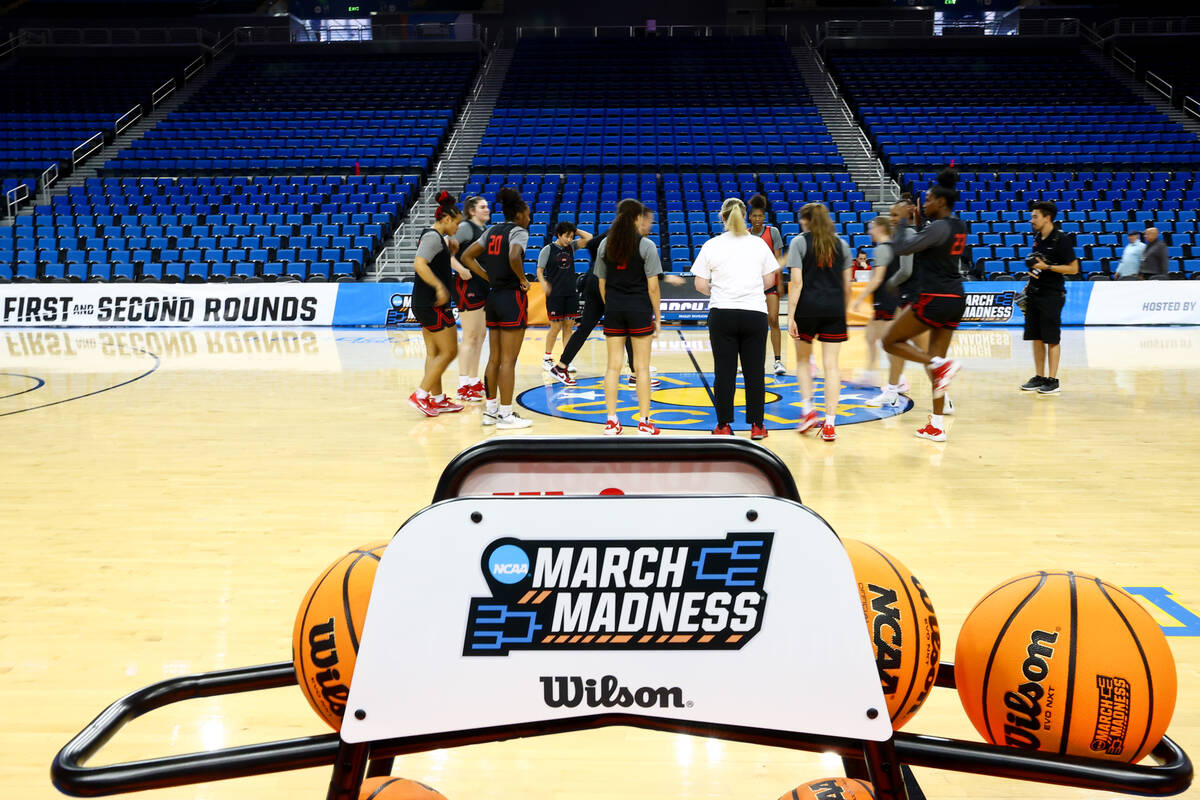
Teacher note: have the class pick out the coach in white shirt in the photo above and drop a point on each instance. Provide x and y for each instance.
(735, 268)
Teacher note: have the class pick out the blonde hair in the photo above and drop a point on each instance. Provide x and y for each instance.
(733, 212)
(820, 230)
(883, 223)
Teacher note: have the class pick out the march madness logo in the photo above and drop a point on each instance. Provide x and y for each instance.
(398, 309)
(989, 307)
(685, 594)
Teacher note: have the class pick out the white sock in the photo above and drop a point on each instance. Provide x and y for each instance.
(936, 421)
(613, 419)
(893, 388)
(475, 381)
(807, 406)
(438, 398)
(505, 411)
(829, 420)
(491, 405)
(464, 381)
(422, 394)
(936, 361)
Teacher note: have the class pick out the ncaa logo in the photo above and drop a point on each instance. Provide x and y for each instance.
(398, 307)
(508, 564)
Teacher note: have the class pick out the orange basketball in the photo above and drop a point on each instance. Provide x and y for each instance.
(903, 628)
(330, 620)
(832, 789)
(1066, 663)
(397, 789)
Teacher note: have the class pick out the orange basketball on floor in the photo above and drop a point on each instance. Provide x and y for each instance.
(832, 789)
(1066, 663)
(397, 789)
(903, 627)
(328, 625)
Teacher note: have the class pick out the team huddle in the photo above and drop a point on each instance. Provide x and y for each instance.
(916, 286)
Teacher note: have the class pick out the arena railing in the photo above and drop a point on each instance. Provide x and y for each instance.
(1154, 26)
(1192, 106)
(14, 197)
(128, 118)
(86, 150)
(163, 92)
(108, 37)
(634, 31)
(10, 45)
(48, 179)
(1159, 85)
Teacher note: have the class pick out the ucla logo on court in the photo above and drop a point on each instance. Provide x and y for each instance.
(674, 594)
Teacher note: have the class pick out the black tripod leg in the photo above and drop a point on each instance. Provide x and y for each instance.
(348, 771)
(884, 770)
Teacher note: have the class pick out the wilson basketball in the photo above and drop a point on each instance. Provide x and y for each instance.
(328, 626)
(903, 628)
(1066, 663)
(832, 789)
(397, 789)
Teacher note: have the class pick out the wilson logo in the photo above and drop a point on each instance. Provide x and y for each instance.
(572, 692)
(322, 652)
(1025, 704)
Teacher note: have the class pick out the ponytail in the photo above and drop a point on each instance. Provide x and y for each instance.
(622, 241)
(733, 212)
(447, 206)
(821, 233)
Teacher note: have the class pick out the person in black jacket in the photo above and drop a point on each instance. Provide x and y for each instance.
(1053, 257)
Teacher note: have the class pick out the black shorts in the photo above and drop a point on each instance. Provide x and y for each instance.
(1043, 317)
(507, 308)
(883, 315)
(825, 329)
(906, 299)
(885, 304)
(775, 288)
(471, 294)
(434, 318)
(628, 315)
(940, 310)
(559, 308)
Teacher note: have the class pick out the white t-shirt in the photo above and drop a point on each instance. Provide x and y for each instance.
(735, 266)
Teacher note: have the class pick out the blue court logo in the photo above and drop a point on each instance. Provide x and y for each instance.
(684, 401)
(508, 564)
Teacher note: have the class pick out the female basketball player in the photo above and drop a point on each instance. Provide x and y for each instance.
(431, 307)
(627, 266)
(502, 251)
(818, 293)
(556, 272)
(774, 239)
(471, 294)
(939, 308)
(734, 268)
(883, 295)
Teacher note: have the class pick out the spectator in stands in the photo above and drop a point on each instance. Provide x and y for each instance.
(1154, 257)
(1131, 258)
(735, 269)
(1053, 257)
(861, 261)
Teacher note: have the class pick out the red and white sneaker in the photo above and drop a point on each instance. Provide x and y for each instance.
(647, 429)
(471, 393)
(810, 421)
(612, 428)
(758, 432)
(445, 406)
(722, 430)
(942, 374)
(828, 433)
(423, 404)
(931, 433)
(563, 376)
(654, 381)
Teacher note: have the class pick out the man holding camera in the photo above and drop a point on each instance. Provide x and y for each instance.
(1053, 257)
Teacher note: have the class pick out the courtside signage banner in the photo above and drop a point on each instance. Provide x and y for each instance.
(98, 305)
(1145, 303)
(739, 611)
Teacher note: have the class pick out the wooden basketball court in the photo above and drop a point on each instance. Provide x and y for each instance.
(170, 495)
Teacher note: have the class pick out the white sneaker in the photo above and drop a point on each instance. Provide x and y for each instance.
(512, 422)
(548, 364)
(490, 417)
(571, 369)
(948, 409)
(903, 386)
(780, 369)
(884, 398)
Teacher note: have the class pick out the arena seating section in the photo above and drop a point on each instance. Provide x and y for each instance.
(1171, 58)
(1026, 126)
(341, 140)
(50, 104)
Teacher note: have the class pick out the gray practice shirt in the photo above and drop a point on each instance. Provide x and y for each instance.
(799, 249)
(466, 233)
(429, 246)
(646, 250)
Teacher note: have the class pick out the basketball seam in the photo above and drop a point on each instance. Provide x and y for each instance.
(913, 609)
(382, 786)
(987, 671)
(346, 600)
(1005, 585)
(304, 620)
(1071, 658)
(1145, 665)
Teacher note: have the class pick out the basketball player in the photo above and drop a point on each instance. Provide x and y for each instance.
(556, 273)
(471, 291)
(939, 308)
(502, 250)
(432, 308)
(627, 266)
(774, 239)
(819, 264)
(884, 297)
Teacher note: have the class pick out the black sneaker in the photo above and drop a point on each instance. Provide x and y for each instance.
(1033, 384)
(1049, 386)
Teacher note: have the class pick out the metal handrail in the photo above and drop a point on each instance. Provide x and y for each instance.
(192, 68)
(1192, 106)
(84, 151)
(163, 92)
(1150, 26)
(128, 118)
(49, 178)
(11, 44)
(1158, 84)
(223, 44)
(632, 31)
(1124, 59)
(14, 197)
(106, 37)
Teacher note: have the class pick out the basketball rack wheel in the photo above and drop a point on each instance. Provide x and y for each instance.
(543, 466)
